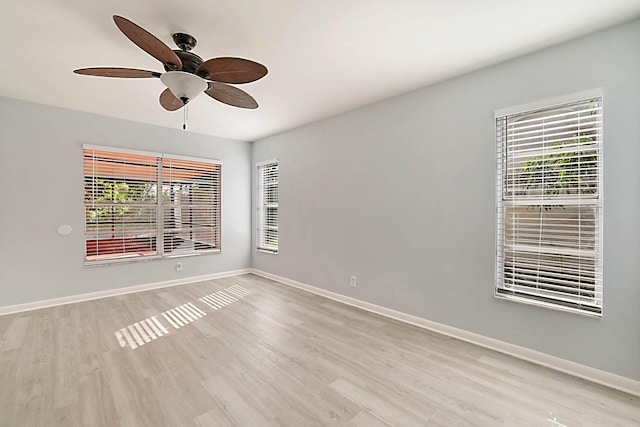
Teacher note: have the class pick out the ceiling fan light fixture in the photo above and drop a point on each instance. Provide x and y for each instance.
(184, 85)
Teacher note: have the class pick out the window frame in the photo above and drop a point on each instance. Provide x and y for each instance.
(596, 308)
(159, 205)
(260, 189)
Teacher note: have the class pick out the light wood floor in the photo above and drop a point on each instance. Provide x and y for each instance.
(275, 357)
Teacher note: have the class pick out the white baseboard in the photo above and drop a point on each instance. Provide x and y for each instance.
(113, 292)
(598, 376)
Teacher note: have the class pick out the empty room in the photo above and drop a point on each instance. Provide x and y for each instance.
(358, 213)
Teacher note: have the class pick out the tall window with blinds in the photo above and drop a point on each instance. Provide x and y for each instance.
(549, 206)
(267, 205)
(145, 205)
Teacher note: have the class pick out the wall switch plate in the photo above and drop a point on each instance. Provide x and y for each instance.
(178, 266)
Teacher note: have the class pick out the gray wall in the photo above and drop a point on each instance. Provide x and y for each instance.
(401, 194)
(42, 187)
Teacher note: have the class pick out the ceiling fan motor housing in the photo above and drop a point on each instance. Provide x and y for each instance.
(190, 61)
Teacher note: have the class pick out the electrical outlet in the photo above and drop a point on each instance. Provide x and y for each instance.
(353, 281)
(178, 266)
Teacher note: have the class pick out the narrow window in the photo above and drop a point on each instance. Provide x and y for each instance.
(549, 206)
(267, 204)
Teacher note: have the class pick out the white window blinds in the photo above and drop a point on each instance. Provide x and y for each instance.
(120, 195)
(549, 206)
(191, 205)
(267, 203)
(141, 205)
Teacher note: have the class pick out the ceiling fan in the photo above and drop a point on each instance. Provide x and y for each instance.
(186, 74)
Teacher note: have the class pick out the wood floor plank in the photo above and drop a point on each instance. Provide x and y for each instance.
(208, 329)
(15, 334)
(391, 411)
(96, 404)
(215, 417)
(294, 386)
(366, 419)
(242, 409)
(9, 361)
(272, 355)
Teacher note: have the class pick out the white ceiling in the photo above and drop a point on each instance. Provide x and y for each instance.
(324, 56)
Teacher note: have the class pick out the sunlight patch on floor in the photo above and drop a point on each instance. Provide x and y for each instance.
(142, 332)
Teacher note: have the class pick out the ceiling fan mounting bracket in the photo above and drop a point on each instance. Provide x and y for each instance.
(185, 42)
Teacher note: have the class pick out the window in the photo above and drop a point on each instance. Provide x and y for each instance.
(549, 206)
(267, 203)
(146, 205)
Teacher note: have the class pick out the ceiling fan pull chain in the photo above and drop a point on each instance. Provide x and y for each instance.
(185, 117)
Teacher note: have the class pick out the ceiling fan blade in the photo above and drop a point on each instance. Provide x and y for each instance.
(125, 73)
(148, 42)
(231, 95)
(231, 70)
(169, 102)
